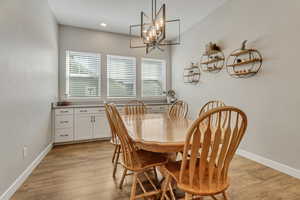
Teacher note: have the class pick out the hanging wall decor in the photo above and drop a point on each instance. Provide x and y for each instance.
(192, 74)
(243, 62)
(213, 59)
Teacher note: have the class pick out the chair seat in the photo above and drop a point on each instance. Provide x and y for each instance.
(148, 159)
(173, 169)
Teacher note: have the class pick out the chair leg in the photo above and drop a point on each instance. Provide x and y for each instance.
(165, 187)
(133, 187)
(225, 195)
(214, 198)
(114, 155)
(123, 178)
(116, 161)
(155, 174)
(171, 191)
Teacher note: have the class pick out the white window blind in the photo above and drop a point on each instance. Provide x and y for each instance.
(153, 77)
(121, 76)
(83, 74)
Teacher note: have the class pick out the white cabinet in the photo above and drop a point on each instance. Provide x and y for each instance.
(63, 125)
(91, 123)
(63, 121)
(76, 124)
(101, 126)
(83, 127)
(64, 135)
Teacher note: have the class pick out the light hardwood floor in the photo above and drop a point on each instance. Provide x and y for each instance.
(84, 172)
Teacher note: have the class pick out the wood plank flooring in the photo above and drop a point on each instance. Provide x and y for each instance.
(84, 172)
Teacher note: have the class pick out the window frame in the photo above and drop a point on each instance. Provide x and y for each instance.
(135, 81)
(103, 79)
(163, 96)
(67, 77)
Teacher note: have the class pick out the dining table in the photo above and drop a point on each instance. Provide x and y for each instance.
(157, 132)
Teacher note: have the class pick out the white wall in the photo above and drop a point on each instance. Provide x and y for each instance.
(271, 98)
(28, 83)
(86, 40)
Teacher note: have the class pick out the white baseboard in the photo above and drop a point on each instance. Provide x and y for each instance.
(270, 163)
(20, 180)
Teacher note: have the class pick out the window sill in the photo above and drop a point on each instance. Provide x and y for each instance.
(112, 99)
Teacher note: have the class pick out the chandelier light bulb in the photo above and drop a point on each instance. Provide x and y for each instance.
(161, 22)
(157, 26)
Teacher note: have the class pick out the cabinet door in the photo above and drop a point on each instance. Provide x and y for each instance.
(83, 127)
(101, 126)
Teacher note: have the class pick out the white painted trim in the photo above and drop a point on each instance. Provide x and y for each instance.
(20, 180)
(270, 163)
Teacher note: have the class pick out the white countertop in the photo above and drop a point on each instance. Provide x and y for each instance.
(102, 105)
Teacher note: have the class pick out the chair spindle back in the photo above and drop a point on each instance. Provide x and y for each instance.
(179, 109)
(135, 108)
(209, 148)
(211, 105)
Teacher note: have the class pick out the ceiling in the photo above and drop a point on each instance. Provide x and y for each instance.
(119, 14)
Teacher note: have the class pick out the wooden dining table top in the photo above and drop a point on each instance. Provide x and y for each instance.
(157, 132)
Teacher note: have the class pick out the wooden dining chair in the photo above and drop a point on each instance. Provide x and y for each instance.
(207, 174)
(115, 141)
(179, 109)
(138, 161)
(211, 105)
(135, 107)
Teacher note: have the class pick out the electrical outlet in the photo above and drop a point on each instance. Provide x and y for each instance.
(25, 152)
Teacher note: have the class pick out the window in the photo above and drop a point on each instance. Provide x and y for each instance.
(83, 74)
(153, 77)
(121, 76)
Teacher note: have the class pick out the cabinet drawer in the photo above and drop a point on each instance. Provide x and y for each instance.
(89, 110)
(64, 121)
(64, 135)
(68, 111)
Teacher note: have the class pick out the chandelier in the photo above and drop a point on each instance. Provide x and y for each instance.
(152, 30)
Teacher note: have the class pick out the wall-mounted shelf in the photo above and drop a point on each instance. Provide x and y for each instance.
(192, 74)
(211, 52)
(213, 59)
(245, 73)
(246, 62)
(241, 52)
(243, 63)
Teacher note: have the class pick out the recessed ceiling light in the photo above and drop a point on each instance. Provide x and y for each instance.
(103, 24)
